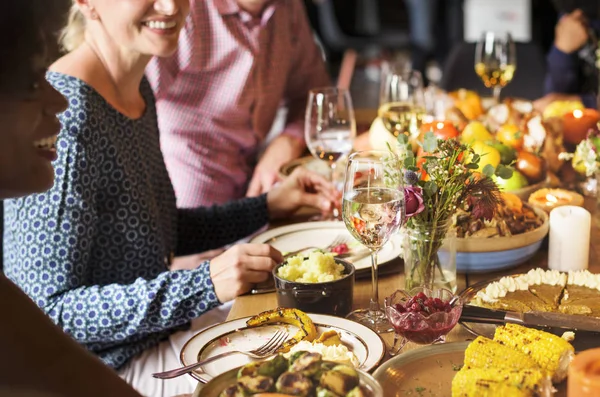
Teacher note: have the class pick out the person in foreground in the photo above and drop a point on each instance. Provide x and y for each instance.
(28, 108)
(93, 251)
(217, 97)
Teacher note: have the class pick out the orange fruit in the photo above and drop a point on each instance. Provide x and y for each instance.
(510, 135)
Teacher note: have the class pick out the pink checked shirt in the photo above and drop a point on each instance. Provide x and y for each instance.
(218, 95)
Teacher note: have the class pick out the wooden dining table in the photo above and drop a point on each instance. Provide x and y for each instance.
(248, 305)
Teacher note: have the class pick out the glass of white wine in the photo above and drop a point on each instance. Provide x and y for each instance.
(402, 101)
(495, 61)
(373, 210)
(330, 126)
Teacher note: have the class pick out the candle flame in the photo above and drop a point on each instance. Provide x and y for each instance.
(440, 125)
(551, 198)
(577, 113)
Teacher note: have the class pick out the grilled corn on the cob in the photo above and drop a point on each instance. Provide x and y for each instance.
(485, 353)
(550, 352)
(494, 382)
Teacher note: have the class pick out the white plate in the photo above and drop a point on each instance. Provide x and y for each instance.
(234, 335)
(320, 234)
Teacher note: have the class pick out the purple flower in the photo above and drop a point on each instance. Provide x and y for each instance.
(413, 200)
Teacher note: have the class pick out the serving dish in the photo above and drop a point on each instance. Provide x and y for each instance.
(226, 379)
(478, 255)
(332, 297)
(427, 371)
(368, 346)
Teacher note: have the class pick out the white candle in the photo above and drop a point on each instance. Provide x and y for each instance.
(569, 244)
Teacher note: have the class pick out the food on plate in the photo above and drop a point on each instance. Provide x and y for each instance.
(468, 102)
(303, 374)
(531, 165)
(306, 328)
(318, 267)
(511, 218)
(519, 361)
(487, 353)
(335, 353)
(550, 352)
(475, 131)
(576, 292)
(560, 108)
(510, 135)
(493, 382)
(515, 182)
(330, 338)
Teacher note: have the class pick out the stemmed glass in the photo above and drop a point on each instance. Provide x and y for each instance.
(402, 101)
(373, 210)
(495, 61)
(330, 127)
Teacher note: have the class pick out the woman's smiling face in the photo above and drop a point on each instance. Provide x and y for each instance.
(149, 27)
(28, 131)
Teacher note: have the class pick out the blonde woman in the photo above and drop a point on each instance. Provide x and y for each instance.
(93, 251)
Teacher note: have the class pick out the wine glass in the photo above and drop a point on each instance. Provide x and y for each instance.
(495, 61)
(373, 210)
(402, 101)
(330, 127)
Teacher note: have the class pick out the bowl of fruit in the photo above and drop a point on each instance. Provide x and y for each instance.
(422, 315)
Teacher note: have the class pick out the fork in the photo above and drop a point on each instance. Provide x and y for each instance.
(268, 349)
(340, 239)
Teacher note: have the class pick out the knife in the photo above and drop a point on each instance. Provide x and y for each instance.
(476, 314)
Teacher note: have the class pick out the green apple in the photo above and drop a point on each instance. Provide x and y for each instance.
(516, 181)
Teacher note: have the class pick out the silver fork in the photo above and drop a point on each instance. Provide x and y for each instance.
(268, 349)
(340, 239)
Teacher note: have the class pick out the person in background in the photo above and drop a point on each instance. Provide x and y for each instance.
(238, 63)
(434, 26)
(572, 71)
(28, 108)
(93, 252)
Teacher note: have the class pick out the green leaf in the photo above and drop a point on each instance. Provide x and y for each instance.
(472, 166)
(430, 188)
(402, 139)
(504, 172)
(488, 170)
(430, 142)
(475, 158)
(409, 162)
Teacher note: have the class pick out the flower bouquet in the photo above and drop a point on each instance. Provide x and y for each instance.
(448, 175)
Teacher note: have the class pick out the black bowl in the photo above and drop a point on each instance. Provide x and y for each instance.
(331, 297)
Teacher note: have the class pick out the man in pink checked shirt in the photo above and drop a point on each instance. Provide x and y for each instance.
(238, 62)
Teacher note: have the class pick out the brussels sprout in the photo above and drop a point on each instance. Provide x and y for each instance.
(233, 391)
(325, 366)
(338, 382)
(249, 369)
(294, 383)
(308, 364)
(359, 391)
(273, 368)
(295, 355)
(323, 392)
(346, 369)
(255, 384)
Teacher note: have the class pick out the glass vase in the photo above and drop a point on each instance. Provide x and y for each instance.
(430, 256)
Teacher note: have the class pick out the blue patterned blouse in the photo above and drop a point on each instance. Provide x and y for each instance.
(92, 251)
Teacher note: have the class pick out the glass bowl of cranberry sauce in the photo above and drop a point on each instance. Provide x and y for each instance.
(422, 315)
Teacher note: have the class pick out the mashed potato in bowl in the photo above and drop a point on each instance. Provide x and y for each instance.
(319, 267)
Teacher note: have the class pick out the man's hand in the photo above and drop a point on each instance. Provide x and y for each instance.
(571, 32)
(282, 149)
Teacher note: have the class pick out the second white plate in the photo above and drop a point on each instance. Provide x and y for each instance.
(320, 234)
